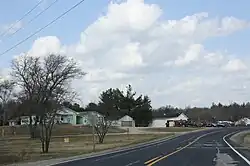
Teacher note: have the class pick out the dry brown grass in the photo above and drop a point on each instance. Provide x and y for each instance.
(29, 150)
(246, 140)
(58, 130)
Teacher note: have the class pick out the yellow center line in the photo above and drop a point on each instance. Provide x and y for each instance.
(149, 161)
(168, 155)
(178, 149)
(159, 159)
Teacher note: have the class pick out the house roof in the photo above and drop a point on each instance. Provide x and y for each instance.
(244, 119)
(89, 112)
(13, 120)
(166, 115)
(66, 111)
(117, 117)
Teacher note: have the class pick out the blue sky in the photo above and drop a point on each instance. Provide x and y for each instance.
(69, 27)
(176, 9)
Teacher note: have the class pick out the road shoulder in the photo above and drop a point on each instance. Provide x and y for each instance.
(96, 154)
(238, 145)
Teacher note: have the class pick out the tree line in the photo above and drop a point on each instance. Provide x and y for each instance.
(230, 112)
(143, 117)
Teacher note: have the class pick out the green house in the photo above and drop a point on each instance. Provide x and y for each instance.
(69, 116)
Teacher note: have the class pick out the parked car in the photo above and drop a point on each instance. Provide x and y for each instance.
(214, 125)
(221, 125)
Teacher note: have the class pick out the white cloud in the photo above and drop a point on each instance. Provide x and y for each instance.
(214, 58)
(44, 46)
(4, 73)
(234, 65)
(192, 54)
(165, 59)
(10, 28)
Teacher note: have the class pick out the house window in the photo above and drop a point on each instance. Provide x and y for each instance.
(26, 121)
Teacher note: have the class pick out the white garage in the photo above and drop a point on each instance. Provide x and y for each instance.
(161, 121)
(125, 121)
(243, 122)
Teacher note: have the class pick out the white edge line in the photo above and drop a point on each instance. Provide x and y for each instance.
(132, 163)
(238, 153)
(178, 150)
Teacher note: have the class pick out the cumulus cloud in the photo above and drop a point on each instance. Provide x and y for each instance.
(235, 65)
(166, 59)
(190, 55)
(44, 46)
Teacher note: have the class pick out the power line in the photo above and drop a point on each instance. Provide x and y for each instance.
(34, 18)
(41, 29)
(26, 14)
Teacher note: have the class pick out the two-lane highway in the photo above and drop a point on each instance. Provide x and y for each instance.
(203, 148)
(209, 150)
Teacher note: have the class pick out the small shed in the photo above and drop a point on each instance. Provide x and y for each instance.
(13, 122)
(125, 121)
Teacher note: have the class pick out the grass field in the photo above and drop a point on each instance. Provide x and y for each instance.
(242, 139)
(171, 129)
(17, 150)
(246, 140)
(58, 130)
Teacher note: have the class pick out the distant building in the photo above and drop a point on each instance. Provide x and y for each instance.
(69, 116)
(25, 120)
(225, 123)
(123, 121)
(86, 118)
(65, 116)
(161, 120)
(13, 122)
(243, 122)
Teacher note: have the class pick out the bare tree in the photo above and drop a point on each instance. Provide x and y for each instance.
(45, 84)
(25, 72)
(101, 127)
(6, 94)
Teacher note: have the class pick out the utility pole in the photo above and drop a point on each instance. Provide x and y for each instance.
(93, 130)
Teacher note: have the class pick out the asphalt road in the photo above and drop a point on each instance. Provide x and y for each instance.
(203, 148)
